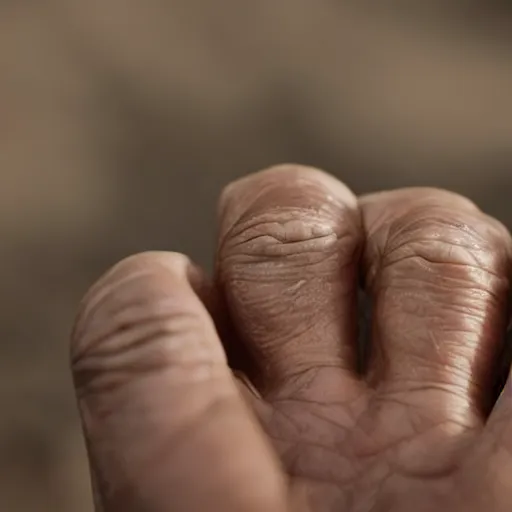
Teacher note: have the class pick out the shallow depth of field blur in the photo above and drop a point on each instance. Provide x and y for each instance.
(120, 121)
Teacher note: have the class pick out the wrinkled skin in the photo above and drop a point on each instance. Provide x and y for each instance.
(305, 418)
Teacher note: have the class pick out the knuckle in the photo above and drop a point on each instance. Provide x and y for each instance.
(282, 195)
(441, 235)
(436, 222)
(250, 187)
(298, 175)
(423, 197)
(146, 263)
(431, 232)
(151, 262)
(288, 211)
(275, 175)
(140, 317)
(299, 235)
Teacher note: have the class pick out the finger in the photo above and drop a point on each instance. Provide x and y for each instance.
(489, 465)
(165, 425)
(290, 239)
(437, 268)
(497, 442)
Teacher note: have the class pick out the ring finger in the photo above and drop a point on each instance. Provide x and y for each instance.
(437, 269)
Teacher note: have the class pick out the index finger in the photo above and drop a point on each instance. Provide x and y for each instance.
(166, 428)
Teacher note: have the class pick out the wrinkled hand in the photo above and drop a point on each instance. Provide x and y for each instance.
(310, 420)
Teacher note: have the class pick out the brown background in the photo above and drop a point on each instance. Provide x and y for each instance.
(120, 121)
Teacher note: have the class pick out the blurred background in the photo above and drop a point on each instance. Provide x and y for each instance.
(121, 120)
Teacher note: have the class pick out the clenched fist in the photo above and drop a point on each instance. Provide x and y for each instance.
(253, 392)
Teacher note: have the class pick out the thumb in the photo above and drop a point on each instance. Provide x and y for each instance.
(165, 425)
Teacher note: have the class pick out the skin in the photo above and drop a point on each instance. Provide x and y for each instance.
(251, 392)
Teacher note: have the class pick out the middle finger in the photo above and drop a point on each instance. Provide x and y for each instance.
(289, 247)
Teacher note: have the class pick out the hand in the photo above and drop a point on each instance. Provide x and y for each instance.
(310, 420)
